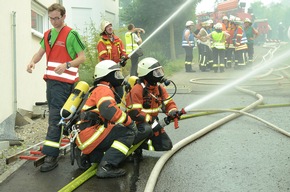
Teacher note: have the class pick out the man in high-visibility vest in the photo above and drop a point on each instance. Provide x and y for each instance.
(133, 40)
(218, 47)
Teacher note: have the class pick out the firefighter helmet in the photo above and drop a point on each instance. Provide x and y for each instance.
(105, 67)
(225, 17)
(189, 23)
(147, 65)
(247, 20)
(104, 24)
(210, 21)
(218, 26)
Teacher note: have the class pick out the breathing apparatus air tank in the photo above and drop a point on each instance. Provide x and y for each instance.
(74, 100)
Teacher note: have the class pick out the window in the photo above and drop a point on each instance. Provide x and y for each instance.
(39, 19)
(36, 21)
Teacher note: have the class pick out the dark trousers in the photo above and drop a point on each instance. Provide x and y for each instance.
(218, 57)
(134, 65)
(250, 52)
(188, 55)
(57, 94)
(105, 152)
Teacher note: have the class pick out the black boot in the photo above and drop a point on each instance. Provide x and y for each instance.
(107, 170)
(188, 68)
(83, 160)
(49, 164)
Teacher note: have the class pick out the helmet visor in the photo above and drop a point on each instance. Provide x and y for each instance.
(158, 72)
(118, 75)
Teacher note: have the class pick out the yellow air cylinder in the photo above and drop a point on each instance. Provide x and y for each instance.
(74, 100)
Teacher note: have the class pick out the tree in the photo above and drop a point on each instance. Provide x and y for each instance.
(150, 14)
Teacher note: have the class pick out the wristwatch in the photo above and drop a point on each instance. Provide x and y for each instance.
(68, 65)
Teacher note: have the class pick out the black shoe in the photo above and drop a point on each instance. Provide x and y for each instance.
(190, 71)
(83, 160)
(49, 164)
(106, 170)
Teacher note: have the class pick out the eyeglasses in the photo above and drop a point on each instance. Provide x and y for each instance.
(55, 18)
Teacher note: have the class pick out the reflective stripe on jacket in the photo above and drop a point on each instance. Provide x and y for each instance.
(190, 38)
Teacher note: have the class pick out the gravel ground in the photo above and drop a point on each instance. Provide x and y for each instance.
(31, 134)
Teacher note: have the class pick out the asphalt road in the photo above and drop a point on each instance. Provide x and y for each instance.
(241, 155)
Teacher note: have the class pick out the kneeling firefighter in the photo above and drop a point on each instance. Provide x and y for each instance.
(144, 101)
(106, 132)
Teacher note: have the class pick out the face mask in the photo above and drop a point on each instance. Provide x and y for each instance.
(116, 78)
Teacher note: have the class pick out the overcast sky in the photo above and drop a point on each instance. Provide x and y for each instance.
(208, 5)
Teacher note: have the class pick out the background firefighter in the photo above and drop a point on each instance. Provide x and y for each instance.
(107, 132)
(111, 47)
(251, 34)
(133, 40)
(145, 100)
(240, 43)
(188, 45)
(218, 38)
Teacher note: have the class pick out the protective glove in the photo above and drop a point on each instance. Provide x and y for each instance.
(173, 114)
(158, 125)
(132, 126)
(123, 61)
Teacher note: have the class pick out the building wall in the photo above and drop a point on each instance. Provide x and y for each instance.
(81, 14)
(20, 89)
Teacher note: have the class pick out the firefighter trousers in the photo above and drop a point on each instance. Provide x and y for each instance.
(57, 93)
(106, 151)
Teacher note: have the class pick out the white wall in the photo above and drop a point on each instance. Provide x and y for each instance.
(29, 87)
(80, 13)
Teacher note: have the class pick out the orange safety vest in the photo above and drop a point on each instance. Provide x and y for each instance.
(57, 54)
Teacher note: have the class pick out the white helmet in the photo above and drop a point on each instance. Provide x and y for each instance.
(189, 23)
(105, 67)
(104, 24)
(225, 17)
(247, 20)
(218, 26)
(147, 65)
(210, 21)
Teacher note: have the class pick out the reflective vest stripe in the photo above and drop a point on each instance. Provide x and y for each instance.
(150, 145)
(95, 136)
(120, 147)
(122, 118)
(155, 110)
(136, 106)
(104, 99)
(51, 144)
(147, 118)
(70, 74)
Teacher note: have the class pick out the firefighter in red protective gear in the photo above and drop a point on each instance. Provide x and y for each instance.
(230, 48)
(106, 132)
(146, 99)
(240, 43)
(111, 47)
